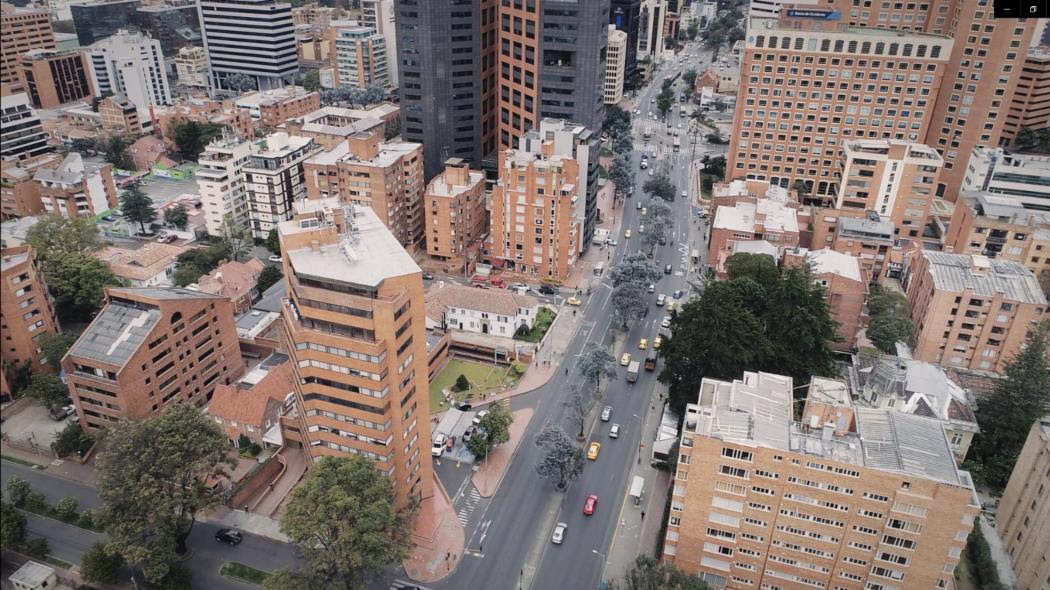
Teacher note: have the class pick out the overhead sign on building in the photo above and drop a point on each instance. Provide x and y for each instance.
(816, 14)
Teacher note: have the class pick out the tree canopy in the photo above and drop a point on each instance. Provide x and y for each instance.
(889, 321)
(648, 573)
(562, 460)
(55, 234)
(12, 526)
(237, 237)
(177, 216)
(154, 479)
(660, 186)
(115, 151)
(493, 430)
(311, 80)
(78, 282)
(1033, 141)
(595, 363)
(631, 279)
(55, 346)
(191, 137)
(192, 264)
(137, 206)
(48, 390)
(269, 275)
(240, 82)
(273, 242)
(344, 520)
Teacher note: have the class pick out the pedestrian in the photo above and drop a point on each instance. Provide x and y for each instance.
(643, 514)
(566, 370)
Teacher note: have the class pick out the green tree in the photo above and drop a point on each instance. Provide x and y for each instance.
(78, 282)
(462, 383)
(690, 77)
(1004, 417)
(616, 121)
(191, 264)
(154, 479)
(72, 440)
(346, 523)
(54, 235)
(761, 268)
(577, 406)
(647, 573)
(562, 460)
(12, 526)
(799, 327)
(48, 390)
(890, 321)
(115, 151)
(1033, 142)
(66, 509)
(177, 216)
(37, 548)
(191, 137)
(273, 242)
(101, 565)
(238, 238)
(660, 186)
(18, 490)
(595, 364)
(311, 81)
(137, 206)
(393, 129)
(715, 166)
(663, 103)
(240, 83)
(55, 346)
(269, 276)
(493, 430)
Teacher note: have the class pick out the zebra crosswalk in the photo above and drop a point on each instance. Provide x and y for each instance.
(469, 505)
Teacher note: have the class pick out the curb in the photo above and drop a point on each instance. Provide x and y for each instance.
(510, 460)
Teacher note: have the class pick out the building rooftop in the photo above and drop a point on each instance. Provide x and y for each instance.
(116, 333)
(248, 400)
(440, 187)
(755, 247)
(71, 171)
(901, 442)
(32, 574)
(278, 145)
(13, 232)
(231, 279)
(254, 322)
(139, 265)
(1004, 208)
(265, 98)
(388, 155)
(922, 388)
(12, 259)
(830, 261)
(366, 255)
(745, 217)
(444, 295)
(869, 227)
(984, 277)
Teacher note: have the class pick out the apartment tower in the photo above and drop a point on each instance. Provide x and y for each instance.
(454, 208)
(354, 328)
(53, 78)
(625, 16)
(615, 62)
(25, 29)
(1030, 105)
(274, 179)
(221, 183)
(379, 14)
(360, 56)
(131, 64)
(21, 131)
(252, 37)
(1024, 510)
(28, 310)
(848, 498)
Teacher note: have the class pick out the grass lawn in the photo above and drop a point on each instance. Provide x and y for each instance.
(483, 377)
(544, 318)
(245, 573)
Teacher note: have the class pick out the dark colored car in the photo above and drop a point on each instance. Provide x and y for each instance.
(59, 413)
(229, 536)
(427, 276)
(548, 290)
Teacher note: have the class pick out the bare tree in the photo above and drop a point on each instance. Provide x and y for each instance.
(578, 405)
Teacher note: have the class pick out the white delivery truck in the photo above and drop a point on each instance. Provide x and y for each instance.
(632, 371)
(637, 487)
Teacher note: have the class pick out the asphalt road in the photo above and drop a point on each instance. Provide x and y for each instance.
(69, 543)
(509, 535)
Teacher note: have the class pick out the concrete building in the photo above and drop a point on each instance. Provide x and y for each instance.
(892, 104)
(130, 64)
(191, 66)
(499, 312)
(152, 265)
(651, 17)
(95, 20)
(354, 328)
(1024, 177)
(34, 576)
(266, 50)
(894, 178)
(252, 407)
(314, 16)
(379, 14)
(175, 23)
(615, 64)
(148, 349)
(970, 311)
(572, 140)
(360, 56)
(76, 188)
(848, 497)
(762, 219)
(274, 178)
(448, 102)
(272, 108)
(387, 177)
(53, 78)
(535, 230)
(19, 194)
(119, 114)
(25, 28)
(863, 234)
(330, 126)
(21, 133)
(454, 212)
(1024, 510)
(997, 226)
(234, 280)
(220, 182)
(846, 289)
(1030, 104)
(625, 16)
(28, 310)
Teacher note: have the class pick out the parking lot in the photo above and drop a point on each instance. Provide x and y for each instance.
(33, 425)
(454, 423)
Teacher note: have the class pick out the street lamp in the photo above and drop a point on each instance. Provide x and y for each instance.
(604, 559)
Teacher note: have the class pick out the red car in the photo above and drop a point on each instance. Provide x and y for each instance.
(590, 504)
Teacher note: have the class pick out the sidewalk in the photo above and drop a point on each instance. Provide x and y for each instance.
(490, 472)
(438, 539)
(70, 469)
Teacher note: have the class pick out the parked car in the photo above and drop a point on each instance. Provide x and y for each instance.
(59, 414)
(427, 276)
(590, 504)
(652, 288)
(439, 445)
(229, 536)
(614, 431)
(660, 299)
(481, 414)
(275, 258)
(666, 323)
(469, 432)
(606, 413)
(677, 294)
(548, 290)
(559, 533)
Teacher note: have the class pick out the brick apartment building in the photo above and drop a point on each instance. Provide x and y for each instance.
(25, 29)
(119, 114)
(272, 107)
(863, 234)
(150, 348)
(27, 311)
(385, 176)
(751, 220)
(354, 324)
(253, 406)
(204, 111)
(1030, 105)
(53, 78)
(846, 287)
(998, 226)
(19, 193)
(234, 280)
(1024, 510)
(330, 126)
(76, 188)
(847, 498)
(534, 226)
(454, 208)
(971, 312)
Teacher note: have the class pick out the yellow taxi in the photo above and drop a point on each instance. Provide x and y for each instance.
(657, 342)
(625, 359)
(593, 450)
(643, 343)
(574, 300)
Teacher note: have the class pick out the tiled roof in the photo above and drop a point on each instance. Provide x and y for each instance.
(142, 264)
(502, 302)
(250, 405)
(231, 279)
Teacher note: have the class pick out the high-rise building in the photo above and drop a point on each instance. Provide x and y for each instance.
(615, 62)
(534, 226)
(174, 23)
(848, 497)
(220, 182)
(21, 133)
(896, 179)
(379, 14)
(788, 68)
(652, 14)
(354, 329)
(53, 78)
(25, 29)
(191, 65)
(970, 312)
(130, 64)
(97, 19)
(454, 208)
(387, 177)
(360, 56)
(120, 114)
(1030, 104)
(572, 140)
(274, 179)
(448, 83)
(150, 348)
(625, 16)
(1022, 177)
(1024, 510)
(264, 48)
(28, 309)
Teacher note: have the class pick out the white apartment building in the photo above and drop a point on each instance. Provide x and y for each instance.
(360, 56)
(274, 179)
(379, 14)
(1026, 177)
(651, 29)
(191, 65)
(615, 63)
(251, 37)
(21, 132)
(221, 184)
(131, 64)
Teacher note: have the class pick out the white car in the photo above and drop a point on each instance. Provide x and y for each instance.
(274, 258)
(606, 413)
(614, 431)
(666, 323)
(660, 299)
(479, 416)
(439, 445)
(559, 533)
(652, 288)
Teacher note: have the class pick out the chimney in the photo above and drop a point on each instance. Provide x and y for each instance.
(364, 146)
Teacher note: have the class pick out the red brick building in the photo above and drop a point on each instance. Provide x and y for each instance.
(253, 405)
